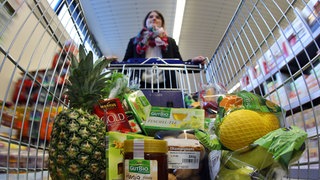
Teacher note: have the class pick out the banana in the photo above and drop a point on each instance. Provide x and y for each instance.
(243, 173)
(257, 157)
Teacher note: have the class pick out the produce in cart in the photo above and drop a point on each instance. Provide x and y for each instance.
(243, 118)
(77, 146)
(251, 138)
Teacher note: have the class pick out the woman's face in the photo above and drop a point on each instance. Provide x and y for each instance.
(153, 20)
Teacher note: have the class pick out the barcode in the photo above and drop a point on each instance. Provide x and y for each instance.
(190, 160)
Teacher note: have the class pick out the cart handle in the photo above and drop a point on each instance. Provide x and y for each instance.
(157, 58)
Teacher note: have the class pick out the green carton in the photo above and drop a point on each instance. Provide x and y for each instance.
(153, 118)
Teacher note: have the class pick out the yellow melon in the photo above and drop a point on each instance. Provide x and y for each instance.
(242, 127)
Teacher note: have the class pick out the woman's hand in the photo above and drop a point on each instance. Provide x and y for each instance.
(199, 60)
(112, 58)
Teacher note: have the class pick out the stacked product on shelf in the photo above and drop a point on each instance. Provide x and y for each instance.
(294, 38)
(28, 124)
(313, 78)
(306, 120)
(278, 90)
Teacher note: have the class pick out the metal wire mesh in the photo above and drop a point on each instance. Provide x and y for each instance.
(34, 46)
(270, 48)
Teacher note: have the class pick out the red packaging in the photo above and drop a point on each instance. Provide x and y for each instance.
(113, 114)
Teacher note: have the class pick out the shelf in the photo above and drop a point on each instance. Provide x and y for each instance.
(282, 61)
(22, 156)
(23, 144)
(294, 103)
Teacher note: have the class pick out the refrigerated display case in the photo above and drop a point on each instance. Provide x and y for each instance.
(270, 48)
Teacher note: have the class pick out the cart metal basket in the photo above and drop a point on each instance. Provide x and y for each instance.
(270, 48)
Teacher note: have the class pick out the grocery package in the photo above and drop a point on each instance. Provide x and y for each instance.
(208, 96)
(133, 122)
(109, 108)
(114, 153)
(187, 157)
(153, 118)
(208, 100)
(112, 113)
(191, 100)
(139, 105)
(251, 141)
(245, 117)
(145, 159)
(269, 157)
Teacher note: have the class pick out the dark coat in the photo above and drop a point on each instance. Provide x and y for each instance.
(172, 52)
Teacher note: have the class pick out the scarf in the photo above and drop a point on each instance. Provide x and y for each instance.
(151, 37)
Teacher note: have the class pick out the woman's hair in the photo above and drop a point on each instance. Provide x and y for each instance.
(156, 11)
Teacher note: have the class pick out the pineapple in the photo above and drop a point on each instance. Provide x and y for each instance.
(77, 146)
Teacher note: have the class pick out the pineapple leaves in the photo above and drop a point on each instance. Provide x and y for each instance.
(82, 53)
(74, 62)
(87, 80)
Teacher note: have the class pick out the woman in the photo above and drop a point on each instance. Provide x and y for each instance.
(152, 41)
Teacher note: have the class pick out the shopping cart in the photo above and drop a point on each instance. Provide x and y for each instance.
(165, 82)
(270, 48)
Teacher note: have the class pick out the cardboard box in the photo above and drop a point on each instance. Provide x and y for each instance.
(155, 118)
(163, 118)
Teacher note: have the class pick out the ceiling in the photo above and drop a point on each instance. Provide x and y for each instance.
(113, 23)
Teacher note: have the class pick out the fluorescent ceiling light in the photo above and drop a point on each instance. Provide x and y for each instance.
(178, 19)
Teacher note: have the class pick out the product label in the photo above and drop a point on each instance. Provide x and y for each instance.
(144, 101)
(137, 169)
(160, 112)
(175, 118)
(183, 154)
(183, 159)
